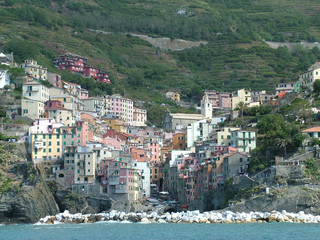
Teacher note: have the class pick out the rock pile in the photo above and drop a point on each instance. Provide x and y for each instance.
(183, 217)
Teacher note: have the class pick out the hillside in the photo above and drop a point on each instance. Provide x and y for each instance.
(236, 55)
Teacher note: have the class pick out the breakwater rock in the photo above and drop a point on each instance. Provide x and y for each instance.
(183, 217)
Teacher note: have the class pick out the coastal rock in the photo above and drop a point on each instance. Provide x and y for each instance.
(145, 220)
(184, 217)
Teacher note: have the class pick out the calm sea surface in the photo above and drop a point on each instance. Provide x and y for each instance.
(138, 231)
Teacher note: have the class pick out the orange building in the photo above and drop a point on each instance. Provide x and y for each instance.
(179, 141)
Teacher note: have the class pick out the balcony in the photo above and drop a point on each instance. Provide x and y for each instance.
(38, 144)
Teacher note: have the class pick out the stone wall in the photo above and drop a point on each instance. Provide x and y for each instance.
(292, 46)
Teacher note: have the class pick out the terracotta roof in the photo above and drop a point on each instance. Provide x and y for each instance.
(282, 94)
(314, 129)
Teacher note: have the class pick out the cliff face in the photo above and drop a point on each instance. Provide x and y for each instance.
(292, 199)
(24, 195)
(28, 205)
(297, 192)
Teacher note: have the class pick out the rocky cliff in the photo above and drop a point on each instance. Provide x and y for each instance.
(289, 188)
(24, 195)
(293, 199)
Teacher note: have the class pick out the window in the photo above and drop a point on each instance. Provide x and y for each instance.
(58, 149)
(58, 143)
(44, 143)
(89, 163)
(44, 136)
(50, 136)
(44, 150)
(58, 136)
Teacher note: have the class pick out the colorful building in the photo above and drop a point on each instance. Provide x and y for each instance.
(34, 70)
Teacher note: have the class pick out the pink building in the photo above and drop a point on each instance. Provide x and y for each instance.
(154, 150)
(83, 132)
(84, 94)
(139, 154)
(91, 72)
(117, 177)
(53, 104)
(225, 100)
(103, 77)
(71, 62)
(55, 79)
(219, 99)
(72, 88)
(116, 143)
(122, 108)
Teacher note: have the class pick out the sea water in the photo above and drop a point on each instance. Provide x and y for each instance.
(138, 231)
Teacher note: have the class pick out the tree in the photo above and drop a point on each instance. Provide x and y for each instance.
(196, 93)
(279, 133)
(242, 107)
(283, 142)
(316, 87)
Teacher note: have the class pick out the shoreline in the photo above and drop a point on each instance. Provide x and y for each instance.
(181, 217)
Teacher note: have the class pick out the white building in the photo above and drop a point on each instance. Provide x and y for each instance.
(4, 78)
(198, 131)
(35, 91)
(308, 78)
(139, 117)
(94, 105)
(144, 168)
(32, 108)
(244, 141)
(206, 107)
(177, 157)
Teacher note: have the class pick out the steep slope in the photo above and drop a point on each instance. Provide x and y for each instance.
(24, 196)
(235, 56)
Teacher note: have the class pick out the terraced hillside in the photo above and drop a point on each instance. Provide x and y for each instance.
(235, 56)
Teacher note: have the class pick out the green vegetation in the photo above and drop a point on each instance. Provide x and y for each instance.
(235, 57)
(312, 168)
(277, 138)
(5, 185)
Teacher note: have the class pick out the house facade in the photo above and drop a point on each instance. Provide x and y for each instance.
(34, 70)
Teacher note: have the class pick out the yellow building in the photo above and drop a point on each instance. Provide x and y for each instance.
(242, 95)
(69, 102)
(32, 108)
(222, 137)
(46, 146)
(117, 124)
(173, 96)
(32, 68)
(85, 167)
(61, 115)
(139, 117)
